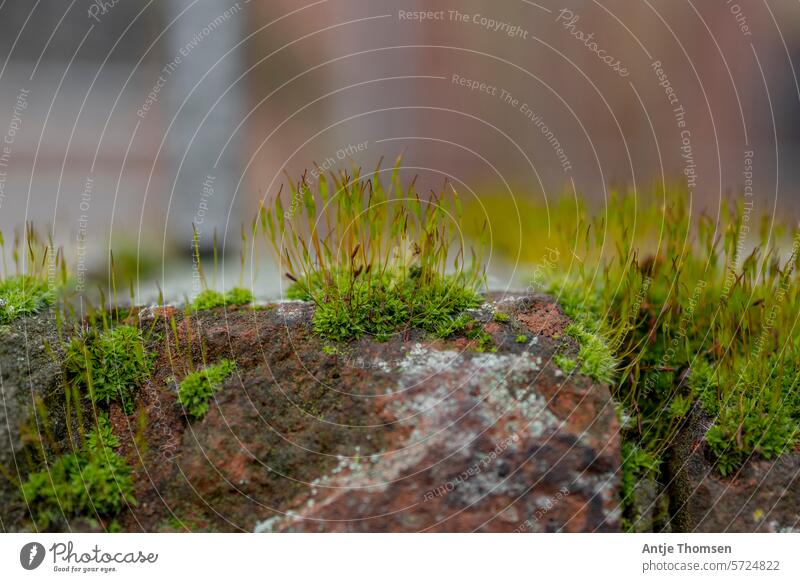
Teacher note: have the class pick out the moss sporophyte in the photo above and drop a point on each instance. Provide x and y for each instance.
(373, 256)
(40, 273)
(684, 313)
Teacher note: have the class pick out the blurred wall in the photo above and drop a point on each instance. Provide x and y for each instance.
(487, 93)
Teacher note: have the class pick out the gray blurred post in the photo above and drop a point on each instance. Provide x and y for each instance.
(203, 188)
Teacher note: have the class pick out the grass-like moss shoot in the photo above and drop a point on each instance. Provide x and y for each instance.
(109, 366)
(374, 256)
(95, 482)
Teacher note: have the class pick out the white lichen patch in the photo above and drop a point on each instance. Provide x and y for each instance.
(291, 308)
(421, 361)
(505, 381)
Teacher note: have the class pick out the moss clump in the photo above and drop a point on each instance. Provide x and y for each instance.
(95, 482)
(374, 259)
(753, 430)
(23, 295)
(637, 465)
(109, 366)
(521, 339)
(196, 390)
(501, 317)
(697, 308)
(483, 341)
(453, 326)
(595, 355)
(210, 299)
(565, 363)
(394, 305)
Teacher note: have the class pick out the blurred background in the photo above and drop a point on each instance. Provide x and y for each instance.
(126, 122)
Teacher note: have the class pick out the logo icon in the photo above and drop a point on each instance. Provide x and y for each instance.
(31, 555)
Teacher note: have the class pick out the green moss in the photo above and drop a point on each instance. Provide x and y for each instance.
(95, 482)
(210, 299)
(666, 301)
(501, 317)
(595, 355)
(637, 464)
(23, 295)
(381, 265)
(239, 296)
(703, 383)
(196, 390)
(109, 366)
(483, 340)
(521, 339)
(393, 303)
(566, 364)
(753, 426)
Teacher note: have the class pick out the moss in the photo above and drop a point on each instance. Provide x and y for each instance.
(393, 304)
(95, 482)
(483, 341)
(23, 295)
(383, 265)
(501, 317)
(210, 299)
(239, 296)
(521, 339)
(196, 390)
(596, 357)
(637, 466)
(665, 301)
(109, 366)
(565, 363)
(751, 428)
